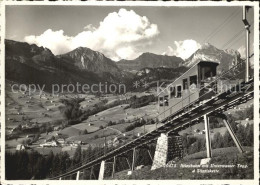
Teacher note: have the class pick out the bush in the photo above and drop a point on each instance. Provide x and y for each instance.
(141, 101)
(85, 132)
(111, 123)
(96, 136)
(138, 123)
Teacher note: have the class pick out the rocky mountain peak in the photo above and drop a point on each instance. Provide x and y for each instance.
(226, 58)
(94, 61)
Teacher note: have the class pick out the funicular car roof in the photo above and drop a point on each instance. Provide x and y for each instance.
(164, 91)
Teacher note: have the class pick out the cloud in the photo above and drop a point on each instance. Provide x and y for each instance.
(183, 49)
(118, 36)
(56, 41)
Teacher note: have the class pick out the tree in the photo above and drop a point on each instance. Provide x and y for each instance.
(96, 136)
(218, 141)
(56, 165)
(85, 132)
(249, 112)
(49, 162)
(19, 127)
(227, 140)
(77, 155)
(71, 110)
(26, 142)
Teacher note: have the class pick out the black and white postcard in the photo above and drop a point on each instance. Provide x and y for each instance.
(118, 92)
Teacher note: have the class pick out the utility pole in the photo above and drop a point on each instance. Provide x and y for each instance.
(247, 27)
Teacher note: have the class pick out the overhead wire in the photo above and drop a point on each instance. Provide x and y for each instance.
(221, 26)
(234, 41)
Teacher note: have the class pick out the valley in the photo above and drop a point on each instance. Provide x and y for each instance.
(68, 123)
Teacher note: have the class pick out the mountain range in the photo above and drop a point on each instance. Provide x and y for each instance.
(225, 58)
(150, 60)
(27, 63)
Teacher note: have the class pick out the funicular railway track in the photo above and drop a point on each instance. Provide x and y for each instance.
(180, 120)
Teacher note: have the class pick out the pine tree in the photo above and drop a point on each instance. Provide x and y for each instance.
(77, 155)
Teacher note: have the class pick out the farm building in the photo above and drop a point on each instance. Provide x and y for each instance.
(20, 147)
(61, 140)
(56, 128)
(50, 144)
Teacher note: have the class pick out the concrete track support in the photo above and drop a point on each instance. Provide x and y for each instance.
(114, 167)
(133, 162)
(101, 170)
(207, 135)
(77, 176)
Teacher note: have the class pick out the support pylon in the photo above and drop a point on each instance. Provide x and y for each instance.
(114, 167)
(128, 163)
(207, 135)
(223, 117)
(247, 27)
(78, 173)
(101, 171)
(150, 155)
(133, 163)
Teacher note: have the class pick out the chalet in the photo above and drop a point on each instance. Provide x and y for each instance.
(78, 142)
(30, 136)
(20, 147)
(74, 145)
(61, 141)
(50, 144)
(56, 128)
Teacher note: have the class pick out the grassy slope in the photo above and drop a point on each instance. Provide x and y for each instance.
(220, 156)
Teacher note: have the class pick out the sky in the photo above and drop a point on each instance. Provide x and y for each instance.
(125, 32)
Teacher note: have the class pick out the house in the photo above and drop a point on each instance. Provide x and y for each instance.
(50, 144)
(74, 145)
(78, 142)
(61, 141)
(30, 136)
(56, 128)
(20, 147)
